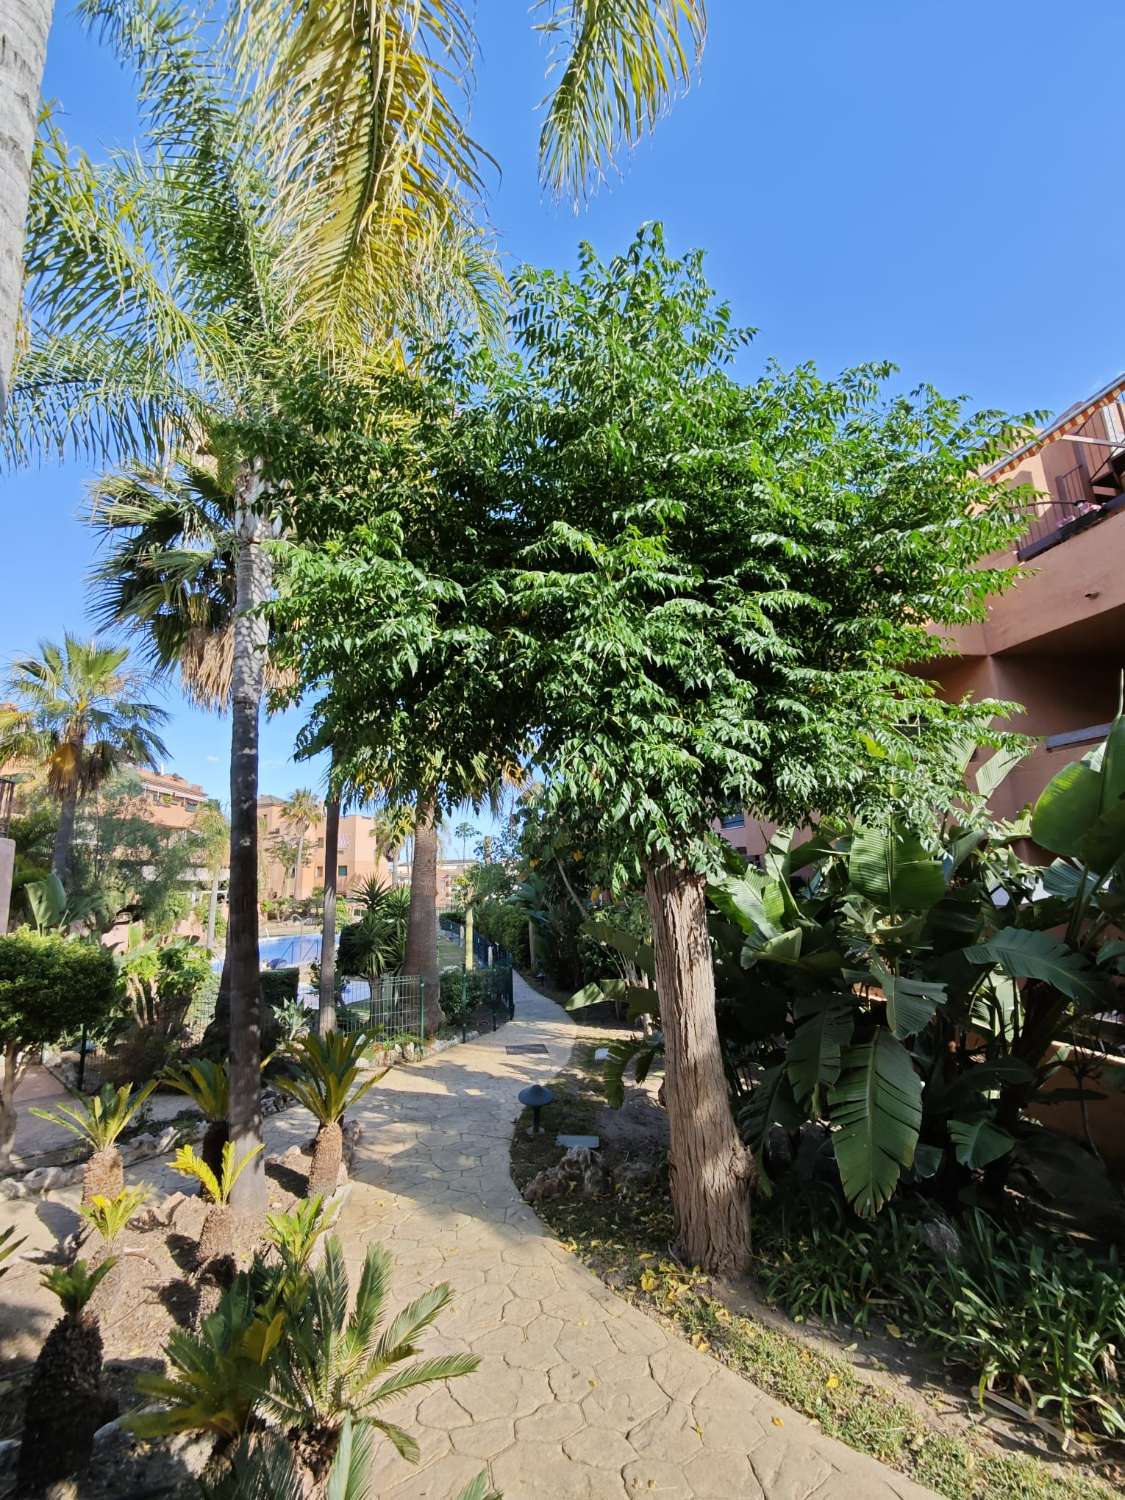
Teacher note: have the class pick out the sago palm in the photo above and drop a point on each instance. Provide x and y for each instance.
(78, 716)
(328, 1084)
(99, 1121)
(332, 1365)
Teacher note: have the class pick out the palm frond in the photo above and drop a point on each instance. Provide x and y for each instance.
(620, 63)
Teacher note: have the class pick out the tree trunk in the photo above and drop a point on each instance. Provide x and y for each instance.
(64, 836)
(250, 639)
(710, 1169)
(421, 932)
(13, 1071)
(468, 936)
(327, 1021)
(298, 863)
(532, 948)
(24, 25)
(213, 912)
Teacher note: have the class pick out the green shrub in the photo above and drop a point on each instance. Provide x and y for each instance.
(51, 986)
(1036, 1317)
(464, 991)
(277, 986)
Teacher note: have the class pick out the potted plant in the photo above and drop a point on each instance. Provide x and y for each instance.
(328, 1084)
(99, 1120)
(65, 1401)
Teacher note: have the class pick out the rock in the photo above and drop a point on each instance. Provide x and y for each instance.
(168, 1138)
(939, 1236)
(9, 1188)
(409, 1052)
(36, 1181)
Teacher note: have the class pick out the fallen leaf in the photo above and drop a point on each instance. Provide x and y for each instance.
(894, 1330)
(832, 1382)
(777, 1421)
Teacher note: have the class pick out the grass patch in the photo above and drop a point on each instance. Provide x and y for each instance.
(626, 1241)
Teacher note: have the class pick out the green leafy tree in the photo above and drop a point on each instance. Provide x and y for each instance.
(77, 716)
(718, 590)
(50, 987)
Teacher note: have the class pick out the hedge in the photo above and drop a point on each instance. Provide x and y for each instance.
(51, 986)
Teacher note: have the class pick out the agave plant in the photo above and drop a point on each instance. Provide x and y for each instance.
(100, 1120)
(331, 1366)
(216, 1238)
(65, 1401)
(207, 1085)
(327, 1085)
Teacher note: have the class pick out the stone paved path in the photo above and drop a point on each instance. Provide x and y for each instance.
(579, 1396)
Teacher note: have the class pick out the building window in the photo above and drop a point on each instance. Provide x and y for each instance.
(341, 872)
(734, 820)
(320, 872)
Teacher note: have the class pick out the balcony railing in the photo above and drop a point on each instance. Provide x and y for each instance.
(1054, 520)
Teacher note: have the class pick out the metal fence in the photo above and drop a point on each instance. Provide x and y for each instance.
(91, 1057)
(393, 1007)
(486, 954)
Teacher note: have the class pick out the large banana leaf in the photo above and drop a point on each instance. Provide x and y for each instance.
(910, 1002)
(631, 947)
(752, 901)
(770, 1103)
(1081, 811)
(815, 1051)
(876, 1105)
(894, 870)
(979, 1142)
(997, 768)
(1024, 954)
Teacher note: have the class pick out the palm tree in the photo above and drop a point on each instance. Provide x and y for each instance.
(302, 812)
(465, 831)
(304, 213)
(77, 715)
(391, 827)
(421, 931)
(212, 827)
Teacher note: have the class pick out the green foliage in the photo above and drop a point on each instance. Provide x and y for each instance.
(8, 1247)
(218, 1189)
(102, 1117)
(51, 986)
(332, 1364)
(1027, 1314)
(292, 1019)
(109, 1216)
(376, 944)
(328, 1081)
(877, 1105)
(294, 1235)
(205, 1083)
(279, 986)
(76, 1284)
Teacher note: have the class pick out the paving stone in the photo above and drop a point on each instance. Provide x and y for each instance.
(600, 1447)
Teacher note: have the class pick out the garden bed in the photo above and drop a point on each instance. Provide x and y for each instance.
(871, 1390)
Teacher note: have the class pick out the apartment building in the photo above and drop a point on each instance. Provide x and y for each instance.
(168, 800)
(357, 859)
(1054, 643)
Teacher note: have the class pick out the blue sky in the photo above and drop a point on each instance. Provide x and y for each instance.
(885, 179)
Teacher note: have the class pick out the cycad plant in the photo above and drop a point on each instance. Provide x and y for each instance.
(99, 1120)
(216, 1238)
(328, 1084)
(207, 1085)
(65, 1401)
(109, 1216)
(8, 1247)
(331, 1366)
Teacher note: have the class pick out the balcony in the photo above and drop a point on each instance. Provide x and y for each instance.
(1089, 490)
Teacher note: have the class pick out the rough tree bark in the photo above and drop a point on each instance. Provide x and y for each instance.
(213, 912)
(327, 1018)
(64, 835)
(250, 639)
(15, 1059)
(710, 1169)
(421, 932)
(24, 25)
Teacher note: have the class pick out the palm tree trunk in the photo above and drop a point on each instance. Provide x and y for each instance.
(250, 637)
(327, 1020)
(24, 25)
(298, 862)
(213, 912)
(64, 837)
(710, 1170)
(421, 932)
